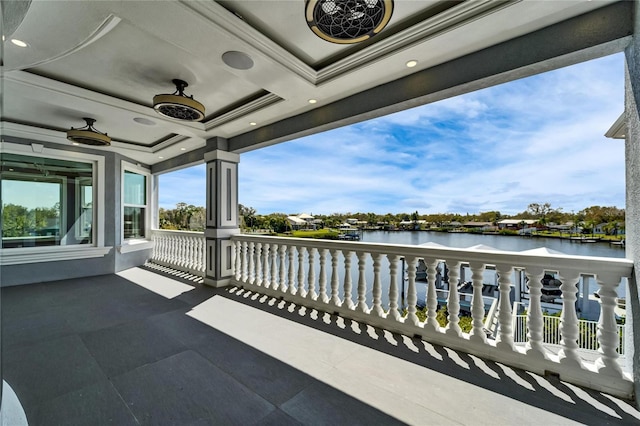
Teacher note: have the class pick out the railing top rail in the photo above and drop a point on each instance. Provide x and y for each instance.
(584, 264)
(176, 232)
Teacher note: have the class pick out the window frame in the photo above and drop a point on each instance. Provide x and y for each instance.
(23, 255)
(137, 169)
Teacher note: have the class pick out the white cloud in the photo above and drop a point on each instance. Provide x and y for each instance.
(534, 140)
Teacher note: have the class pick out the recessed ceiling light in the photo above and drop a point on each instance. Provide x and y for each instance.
(145, 121)
(2, 38)
(183, 149)
(76, 143)
(161, 157)
(312, 101)
(412, 63)
(18, 43)
(253, 123)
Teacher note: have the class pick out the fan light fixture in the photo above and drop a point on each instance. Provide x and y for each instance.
(178, 105)
(347, 21)
(88, 135)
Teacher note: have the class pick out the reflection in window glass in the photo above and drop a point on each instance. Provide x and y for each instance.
(133, 222)
(135, 189)
(42, 201)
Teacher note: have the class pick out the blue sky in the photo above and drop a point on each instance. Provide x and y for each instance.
(535, 140)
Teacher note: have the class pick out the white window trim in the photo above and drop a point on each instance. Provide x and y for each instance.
(135, 244)
(20, 255)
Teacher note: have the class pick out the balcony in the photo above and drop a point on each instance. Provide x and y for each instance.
(154, 346)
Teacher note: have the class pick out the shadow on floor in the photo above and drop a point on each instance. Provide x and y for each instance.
(548, 393)
(102, 350)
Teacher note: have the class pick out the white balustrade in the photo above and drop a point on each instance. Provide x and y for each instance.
(269, 265)
(181, 250)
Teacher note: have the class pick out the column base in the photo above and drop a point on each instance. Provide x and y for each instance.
(212, 282)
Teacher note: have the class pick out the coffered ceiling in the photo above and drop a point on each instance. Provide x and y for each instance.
(107, 60)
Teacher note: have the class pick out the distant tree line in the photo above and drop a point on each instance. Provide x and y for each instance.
(189, 217)
(19, 221)
(185, 217)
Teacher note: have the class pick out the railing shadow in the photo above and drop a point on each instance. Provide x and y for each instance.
(545, 392)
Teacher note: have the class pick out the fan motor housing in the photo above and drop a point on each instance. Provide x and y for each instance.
(347, 21)
(178, 107)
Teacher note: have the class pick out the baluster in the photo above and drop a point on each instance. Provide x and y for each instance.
(274, 266)
(453, 301)
(252, 261)
(505, 316)
(335, 281)
(265, 265)
(393, 287)
(301, 291)
(189, 252)
(412, 297)
(607, 333)
(282, 257)
(362, 282)
(173, 252)
(347, 301)
(202, 256)
(291, 283)
(239, 265)
(432, 293)
(198, 253)
(182, 257)
(258, 265)
(377, 286)
(245, 262)
(477, 303)
(185, 256)
(311, 279)
(323, 276)
(535, 318)
(569, 325)
(163, 248)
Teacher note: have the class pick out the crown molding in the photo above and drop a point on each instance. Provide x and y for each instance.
(430, 28)
(70, 94)
(227, 22)
(248, 108)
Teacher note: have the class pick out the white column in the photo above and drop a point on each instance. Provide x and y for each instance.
(222, 214)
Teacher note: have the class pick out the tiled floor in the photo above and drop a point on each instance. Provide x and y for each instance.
(142, 348)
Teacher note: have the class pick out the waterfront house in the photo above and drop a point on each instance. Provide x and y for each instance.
(101, 98)
(482, 226)
(516, 224)
(296, 222)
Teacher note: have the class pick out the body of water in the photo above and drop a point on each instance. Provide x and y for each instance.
(500, 242)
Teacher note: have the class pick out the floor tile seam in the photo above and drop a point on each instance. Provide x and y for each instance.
(121, 398)
(184, 348)
(247, 385)
(106, 379)
(224, 372)
(36, 407)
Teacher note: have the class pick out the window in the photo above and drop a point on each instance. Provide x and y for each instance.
(45, 201)
(135, 209)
